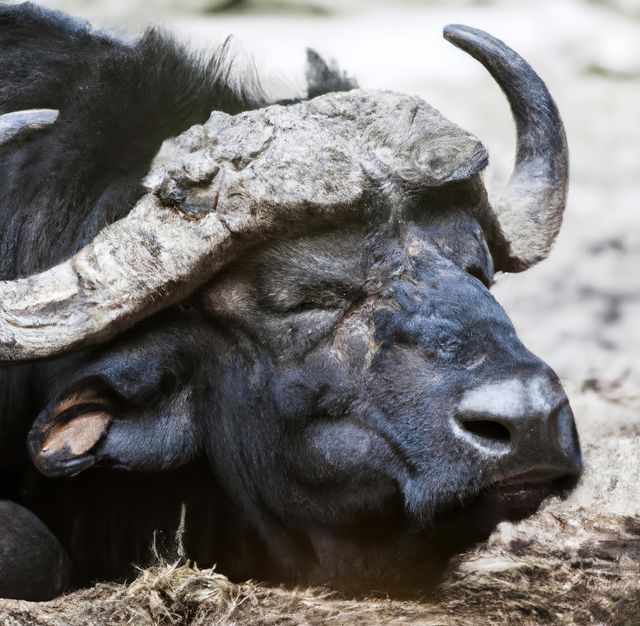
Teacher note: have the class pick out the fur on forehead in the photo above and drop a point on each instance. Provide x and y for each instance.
(334, 150)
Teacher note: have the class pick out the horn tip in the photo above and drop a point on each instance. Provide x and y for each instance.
(49, 116)
(451, 29)
(17, 123)
(460, 33)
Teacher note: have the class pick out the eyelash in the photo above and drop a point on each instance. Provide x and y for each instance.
(303, 307)
(321, 301)
(311, 307)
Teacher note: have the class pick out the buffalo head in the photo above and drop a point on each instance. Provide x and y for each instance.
(314, 280)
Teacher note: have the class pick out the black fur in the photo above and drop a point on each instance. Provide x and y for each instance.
(298, 407)
(34, 565)
(117, 103)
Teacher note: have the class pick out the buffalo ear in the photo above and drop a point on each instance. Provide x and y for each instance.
(93, 426)
(65, 438)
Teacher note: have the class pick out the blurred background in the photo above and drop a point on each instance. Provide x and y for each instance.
(579, 309)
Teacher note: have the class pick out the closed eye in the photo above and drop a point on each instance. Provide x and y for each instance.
(306, 299)
(307, 307)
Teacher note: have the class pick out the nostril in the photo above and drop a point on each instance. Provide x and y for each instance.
(489, 430)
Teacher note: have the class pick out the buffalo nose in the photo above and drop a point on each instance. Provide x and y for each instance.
(525, 427)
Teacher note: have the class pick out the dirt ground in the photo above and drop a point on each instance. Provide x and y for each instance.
(579, 309)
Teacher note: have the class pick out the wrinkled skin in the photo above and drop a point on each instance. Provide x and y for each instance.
(367, 341)
(344, 321)
(320, 376)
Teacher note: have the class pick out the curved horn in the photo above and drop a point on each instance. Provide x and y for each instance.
(12, 125)
(530, 209)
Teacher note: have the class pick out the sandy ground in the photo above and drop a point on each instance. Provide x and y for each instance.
(579, 309)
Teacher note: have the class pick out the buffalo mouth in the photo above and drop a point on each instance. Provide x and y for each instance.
(513, 499)
(519, 497)
(471, 522)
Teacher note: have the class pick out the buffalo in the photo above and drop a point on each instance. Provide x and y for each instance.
(280, 345)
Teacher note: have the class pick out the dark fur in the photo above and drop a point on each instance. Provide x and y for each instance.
(291, 464)
(117, 104)
(34, 564)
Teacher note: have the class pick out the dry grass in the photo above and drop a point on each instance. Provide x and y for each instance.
(563, 566)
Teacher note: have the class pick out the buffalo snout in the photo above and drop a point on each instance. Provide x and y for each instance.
(523, 427)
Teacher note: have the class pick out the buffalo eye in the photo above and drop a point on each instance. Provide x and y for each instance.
(305, 307)
(320, 304)
(302, 299)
